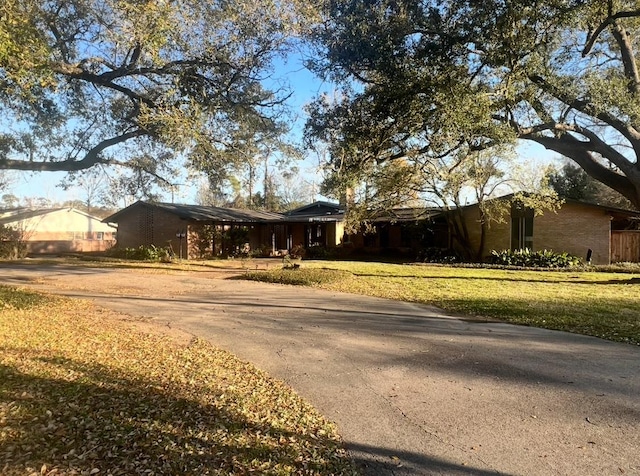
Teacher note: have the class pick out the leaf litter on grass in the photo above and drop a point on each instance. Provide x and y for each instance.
(82, 392)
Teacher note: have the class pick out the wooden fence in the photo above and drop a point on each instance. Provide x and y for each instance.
(625, 246)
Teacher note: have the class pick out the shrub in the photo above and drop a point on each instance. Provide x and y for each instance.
(321, 253)
(297, 251)
(299, 276)
(12, 245)
(263, 251)
(142, 253)
(438, 255)
(534, 259)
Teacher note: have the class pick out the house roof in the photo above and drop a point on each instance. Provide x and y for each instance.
(18, 214)
(408, 214)
(607, 209)
(316, 212)
(201, 213)
(317, 208)
(611, 210)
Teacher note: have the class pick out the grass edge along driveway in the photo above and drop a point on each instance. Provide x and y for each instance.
(84, 392)
(599, 304)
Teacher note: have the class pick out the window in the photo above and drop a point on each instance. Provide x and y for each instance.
(100, 235)
(315, 235)
(521, 227)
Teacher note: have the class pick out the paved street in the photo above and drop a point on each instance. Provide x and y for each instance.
(413, 391)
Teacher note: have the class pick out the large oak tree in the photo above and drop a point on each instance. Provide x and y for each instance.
(431, 78)
(138, 82)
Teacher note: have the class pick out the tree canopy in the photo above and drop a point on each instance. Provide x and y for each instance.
(572, 182)
(435, 78)
(137, 83)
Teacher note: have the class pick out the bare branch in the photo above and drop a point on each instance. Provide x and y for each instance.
(91, 158)
(587, 108)
(579, 152)
(593, 36)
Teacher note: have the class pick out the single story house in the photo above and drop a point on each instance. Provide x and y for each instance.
(194, 231)
(604, 234)
(58, 230)
(319, 224)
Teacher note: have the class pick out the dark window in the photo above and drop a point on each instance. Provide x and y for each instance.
(521, 227)
(406, 235)
(315, 234)
(384, 236)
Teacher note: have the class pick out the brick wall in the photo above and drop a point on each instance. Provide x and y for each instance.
(498, 235)
(150, 226)
(575, 229)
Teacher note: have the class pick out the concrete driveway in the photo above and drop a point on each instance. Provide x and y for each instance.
(413, 391)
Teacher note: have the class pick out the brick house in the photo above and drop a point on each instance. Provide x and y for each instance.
(612, 235)
(575, 228)
(215, 231)
(193, 231)
(58, 230)
(319, 224)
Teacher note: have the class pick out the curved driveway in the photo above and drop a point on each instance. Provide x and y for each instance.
(413, 391)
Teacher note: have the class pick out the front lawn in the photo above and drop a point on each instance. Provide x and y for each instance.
(82, 392)
(601, 304)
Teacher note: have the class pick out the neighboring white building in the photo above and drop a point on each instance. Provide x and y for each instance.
(59, 230)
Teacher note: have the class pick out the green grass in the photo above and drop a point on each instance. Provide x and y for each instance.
(601, 304)
(12, 298)
(82, 392)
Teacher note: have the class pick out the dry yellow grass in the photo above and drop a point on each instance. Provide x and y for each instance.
(82, 392)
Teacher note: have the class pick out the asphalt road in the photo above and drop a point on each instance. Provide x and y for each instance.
(413, 391)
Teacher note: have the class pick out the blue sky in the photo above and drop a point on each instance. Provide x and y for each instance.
(305, 87)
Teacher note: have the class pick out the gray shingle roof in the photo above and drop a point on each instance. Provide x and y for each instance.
(201, 213)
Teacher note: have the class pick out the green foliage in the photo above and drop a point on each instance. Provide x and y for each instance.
(14, 298)
(235, 240)
(264, 251)
(574, 183)
(12, 245)
(302, 276)
(141, 253)
(320, 252)
(438, 255)
(527, 258)
(139, 83)
(437, 78)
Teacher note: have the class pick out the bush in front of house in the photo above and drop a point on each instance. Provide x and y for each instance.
(527, 258)
(438, 255)
(141, 253)
(12, 245)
